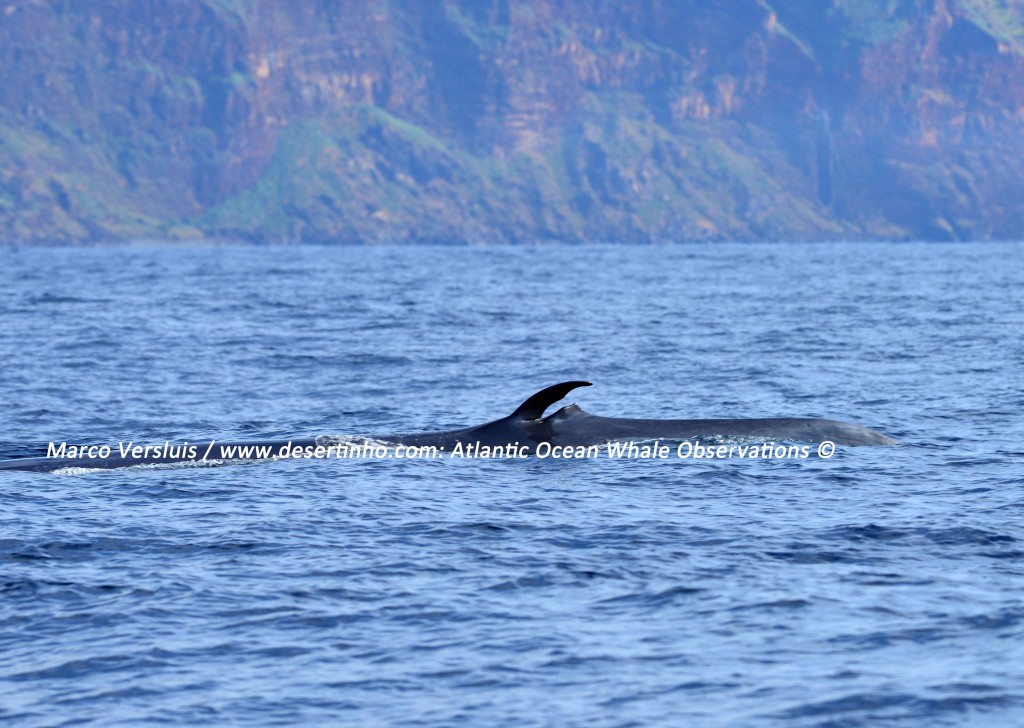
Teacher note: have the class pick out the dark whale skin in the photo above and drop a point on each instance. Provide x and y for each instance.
(570, 426)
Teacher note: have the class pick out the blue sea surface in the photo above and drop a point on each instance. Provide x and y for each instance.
(882, 586)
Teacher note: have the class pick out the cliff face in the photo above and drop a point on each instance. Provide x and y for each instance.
(466, 120)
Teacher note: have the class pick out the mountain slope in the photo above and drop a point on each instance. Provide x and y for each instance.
(461, 120)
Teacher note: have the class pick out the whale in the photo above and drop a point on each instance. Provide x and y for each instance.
(572, 426)
(526, 428)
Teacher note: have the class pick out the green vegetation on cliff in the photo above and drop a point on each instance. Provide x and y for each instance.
(504, 121)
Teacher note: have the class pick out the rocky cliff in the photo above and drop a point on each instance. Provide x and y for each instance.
(511, 120)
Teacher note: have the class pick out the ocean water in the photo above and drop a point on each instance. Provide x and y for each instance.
(881, 586)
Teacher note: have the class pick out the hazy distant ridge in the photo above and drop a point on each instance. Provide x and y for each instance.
(462, 120)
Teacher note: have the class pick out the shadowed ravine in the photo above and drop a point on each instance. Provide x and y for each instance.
(511, 120)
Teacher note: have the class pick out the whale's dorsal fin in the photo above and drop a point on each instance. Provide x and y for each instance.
(533, 408)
